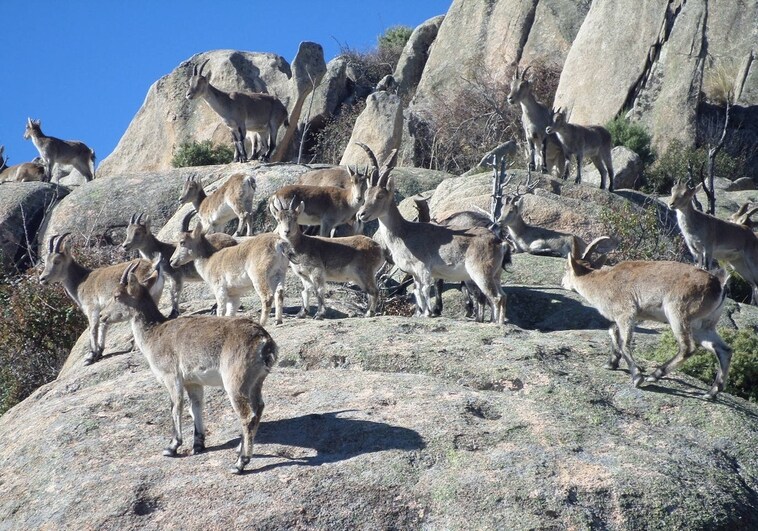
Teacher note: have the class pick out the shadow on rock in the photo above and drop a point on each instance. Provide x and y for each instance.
(549, 311)
(332, 437)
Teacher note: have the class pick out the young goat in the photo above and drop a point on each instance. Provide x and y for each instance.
(316, 260)
(55, 151)
(592, 141)
(427, 251)
(189, 353)
(326, 206)
(258, 262)
(536, 117)
(20, 173)
(260, 113)
(90, 289)
(689, 299)
(139, 238)
(232, 199)
(709, 237)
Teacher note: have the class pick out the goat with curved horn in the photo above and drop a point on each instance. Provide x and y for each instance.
(140, 238)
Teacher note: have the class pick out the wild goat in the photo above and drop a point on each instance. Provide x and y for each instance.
(232, 199)
(709, 237)
(55, 151)
(260, 113)
(90, 289)
(540, 240)
(689, 299)
(139, 238)
(316, 260)
(742, 216)
(592, 141)
(20, 173)
(326, 206)
(258, 262)
(535, 118)
(428, 251)
(189, 353)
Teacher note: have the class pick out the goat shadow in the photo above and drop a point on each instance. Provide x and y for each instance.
(332, 437)
(531, 308)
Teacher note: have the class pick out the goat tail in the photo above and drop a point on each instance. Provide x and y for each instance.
(249, 180)
(269, 352)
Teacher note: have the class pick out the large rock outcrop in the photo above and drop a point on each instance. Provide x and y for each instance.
(390, 422)
(483, 36)
(379, 126)
(23, 208)
(413, 59)
(656, 67)
(167, 118)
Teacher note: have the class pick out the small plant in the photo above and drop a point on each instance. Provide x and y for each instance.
(201, 154)
(392, 41)
(641, 234)
(674, 163)
(743, 375)
(633, 136)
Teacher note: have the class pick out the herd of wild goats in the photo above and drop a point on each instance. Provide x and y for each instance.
(469, 247)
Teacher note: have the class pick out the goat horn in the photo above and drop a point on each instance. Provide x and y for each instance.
(200, 72)
(139, 218)
(373, 160)
(523, 74)
(186, 221)
(129, 269)
(292, 202)
(132, 220)
(51, 243)
(389, 164)
(59, 241)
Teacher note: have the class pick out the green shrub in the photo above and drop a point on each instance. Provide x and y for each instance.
(38, 326)
(392, 41)
(201, 154)
(743, 374)
(633, 136)
(675, 161)
(640, 233)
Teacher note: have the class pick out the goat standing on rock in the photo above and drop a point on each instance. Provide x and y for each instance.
(689, 299)
(592, 141)
(427, 251)
(90, 289)
(232, 199)
(54, 151)
(260, 113)
(189, 353)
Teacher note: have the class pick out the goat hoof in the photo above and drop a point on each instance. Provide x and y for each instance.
(168, 452)
(611, 366)
(637, 380)
(319, 317)
(174, 314)
(709, 396)
(198, 449)
(301, 315)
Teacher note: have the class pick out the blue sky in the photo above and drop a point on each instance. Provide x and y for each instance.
(84, 67)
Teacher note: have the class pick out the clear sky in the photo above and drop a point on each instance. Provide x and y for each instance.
(84, 67)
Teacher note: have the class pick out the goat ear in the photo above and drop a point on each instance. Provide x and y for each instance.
(390, 184)
(146, 222)
(300, 208)
(198, 230)
(698, 188)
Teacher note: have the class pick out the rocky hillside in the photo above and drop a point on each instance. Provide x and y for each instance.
(393, 421)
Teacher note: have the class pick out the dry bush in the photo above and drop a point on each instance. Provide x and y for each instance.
(454, 131)
(331, 140)
(39, 325)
